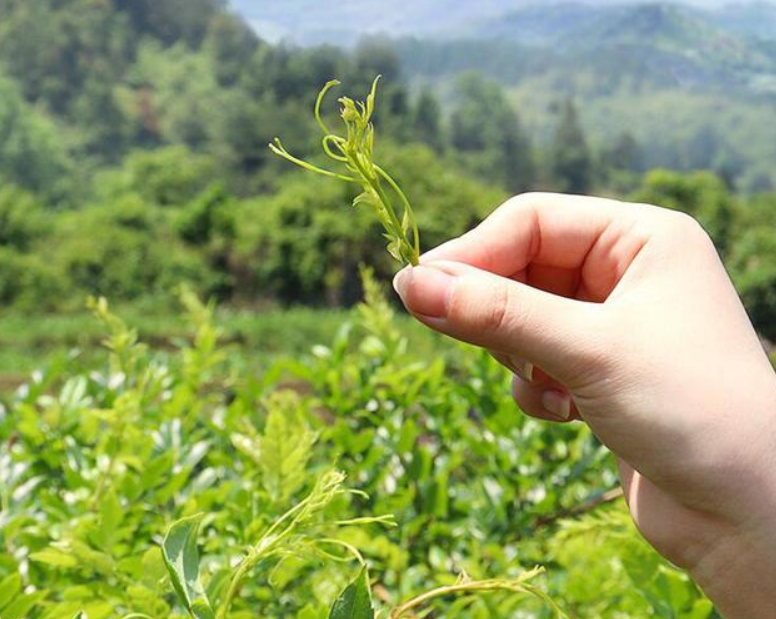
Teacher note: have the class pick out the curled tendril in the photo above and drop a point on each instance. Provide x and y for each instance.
(355, 152)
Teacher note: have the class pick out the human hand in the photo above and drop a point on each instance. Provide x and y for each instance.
(623, 316)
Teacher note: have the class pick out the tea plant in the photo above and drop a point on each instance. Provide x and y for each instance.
(174, 483)
(355, 152)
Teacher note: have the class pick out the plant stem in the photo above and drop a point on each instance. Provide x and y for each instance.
(607, 497)
(264, 548)
(519, 585)
(407, 207)
(374, 182)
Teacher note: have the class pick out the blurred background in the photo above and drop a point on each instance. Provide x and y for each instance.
(133, 145)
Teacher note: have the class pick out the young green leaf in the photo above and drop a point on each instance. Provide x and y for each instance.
(181, 557)
(355, 602)
(355, 152)
(54, 557)
(22, 605)
(285, 448)
(10, 587)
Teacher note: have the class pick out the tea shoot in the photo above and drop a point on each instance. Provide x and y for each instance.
(354, 152)
(467, 587)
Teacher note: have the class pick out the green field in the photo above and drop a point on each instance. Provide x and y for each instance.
(400, 452)
(29, 341)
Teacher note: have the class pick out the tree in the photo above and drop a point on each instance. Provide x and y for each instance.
(701, 194)
(427, 121)
(22, 219)
(171, 21)
(624, 154)
(487, 131)
(182, 93)
(231, 43)
(168, 176)
(54, 48)
(752, 265)
(32, 154)
(570, 159)
(209, 218)
(375, 56)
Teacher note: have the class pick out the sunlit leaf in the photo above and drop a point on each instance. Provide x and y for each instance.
(181, 557)
(355, 602)
(10, 587)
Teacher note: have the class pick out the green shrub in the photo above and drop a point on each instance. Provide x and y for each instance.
(753, 267)
(22, 219)
(29, 281)
(701, 194)
(98, 463)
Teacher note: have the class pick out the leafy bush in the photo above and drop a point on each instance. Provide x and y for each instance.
(701, 194)
(29, 282)
(237, 469)
(210, 218)
(22, 219)
(753, 267)
(169, 176)
(32, 154)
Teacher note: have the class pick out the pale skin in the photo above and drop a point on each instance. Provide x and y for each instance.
(622, 316)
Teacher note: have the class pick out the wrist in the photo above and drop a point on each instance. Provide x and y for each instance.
(735, 572)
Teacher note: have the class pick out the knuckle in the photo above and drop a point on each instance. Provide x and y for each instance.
(496, 312)
(524, 201)
(686, 224)
(485, 310)
(686, 231)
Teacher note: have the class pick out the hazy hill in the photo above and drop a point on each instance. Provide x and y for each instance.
(756, 19)
(696, 87)
(656, 44)
(313, 21)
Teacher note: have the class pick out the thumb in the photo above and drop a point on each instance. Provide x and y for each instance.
(558, 334)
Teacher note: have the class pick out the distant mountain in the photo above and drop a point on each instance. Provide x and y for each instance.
(756, 19)
(314, 21)
(653, 23)
(659, 44)
(317, 21)
(693, 82)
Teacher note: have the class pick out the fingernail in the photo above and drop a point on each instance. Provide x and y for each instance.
(425, 290)
(400, 282)
(524, 369)
(557, 404)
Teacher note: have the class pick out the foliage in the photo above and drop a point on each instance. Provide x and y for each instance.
(22, 219)
(753, 265)
(702, 194)
(571, 166)
(473, 487)
(170, 176)
(32, 154)
(487, 134)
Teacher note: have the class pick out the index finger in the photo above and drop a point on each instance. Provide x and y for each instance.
(545, 229)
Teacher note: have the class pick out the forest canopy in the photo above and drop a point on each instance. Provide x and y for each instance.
(133, 157)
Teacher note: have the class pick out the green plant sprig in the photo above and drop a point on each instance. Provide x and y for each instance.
(290, 535)
(355, 152)
(465, 586)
